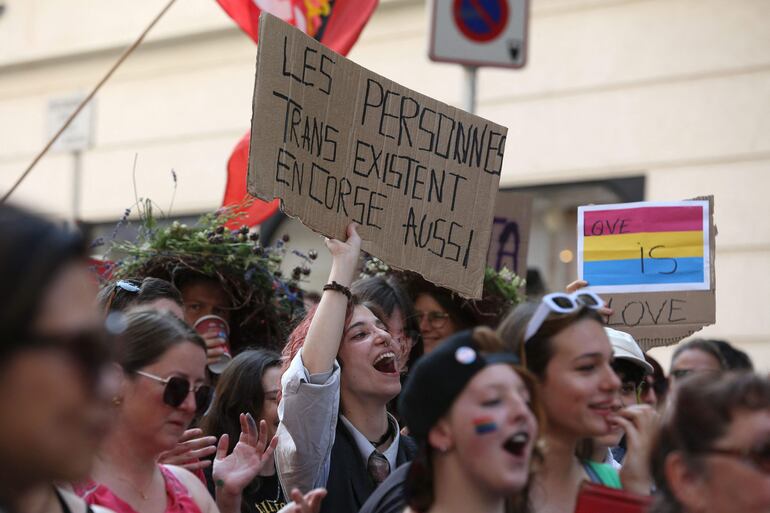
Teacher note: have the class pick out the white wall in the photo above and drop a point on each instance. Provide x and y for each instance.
(674, 90)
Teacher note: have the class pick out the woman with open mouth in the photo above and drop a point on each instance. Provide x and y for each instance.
(335, 431)
(562, 342)
(476, 431)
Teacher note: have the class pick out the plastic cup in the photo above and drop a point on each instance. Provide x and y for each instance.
(209, 324)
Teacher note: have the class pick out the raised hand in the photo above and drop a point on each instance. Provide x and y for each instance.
(190, 450)
(345, 256)
(576, 285)
(308, 503)
(233, 472)
(215, 346)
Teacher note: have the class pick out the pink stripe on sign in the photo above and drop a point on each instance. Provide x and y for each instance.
(643, 219)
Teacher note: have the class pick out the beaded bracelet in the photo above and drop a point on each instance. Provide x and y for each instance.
(339, 288)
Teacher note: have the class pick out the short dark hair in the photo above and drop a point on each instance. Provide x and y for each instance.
(117, 296)
(459, 309)
(703, 345)
(147, 337)
(33, 250)
(704, 409)
(734, 357)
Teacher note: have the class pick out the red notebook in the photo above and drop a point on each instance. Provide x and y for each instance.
(594, 498)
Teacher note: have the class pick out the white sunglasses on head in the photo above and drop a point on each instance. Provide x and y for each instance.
(562, 303)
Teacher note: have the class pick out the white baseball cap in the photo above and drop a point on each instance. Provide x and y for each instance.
(624, 347)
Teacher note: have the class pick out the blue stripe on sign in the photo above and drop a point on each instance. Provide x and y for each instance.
(656, 271)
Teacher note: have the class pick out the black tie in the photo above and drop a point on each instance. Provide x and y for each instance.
(378, 467)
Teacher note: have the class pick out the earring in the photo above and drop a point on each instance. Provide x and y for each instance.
(117, 401)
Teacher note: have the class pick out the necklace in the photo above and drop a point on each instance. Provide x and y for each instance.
(138, 490)
(384, 438)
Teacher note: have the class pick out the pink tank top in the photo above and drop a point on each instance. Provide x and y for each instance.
(178, 499)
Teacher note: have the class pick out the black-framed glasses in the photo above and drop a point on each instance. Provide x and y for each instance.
(758, 457)
(177, 388)
(90, 349)
(437, 320)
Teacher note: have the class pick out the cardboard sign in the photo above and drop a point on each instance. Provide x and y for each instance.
(510, 232)
(653, 263)
(338, 143)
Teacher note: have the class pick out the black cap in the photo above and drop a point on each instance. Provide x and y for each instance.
(439, 377)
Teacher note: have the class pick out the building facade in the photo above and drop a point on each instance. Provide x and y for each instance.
(620, 100)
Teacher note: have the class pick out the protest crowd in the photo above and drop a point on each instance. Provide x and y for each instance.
(387, 396)
(188, 372)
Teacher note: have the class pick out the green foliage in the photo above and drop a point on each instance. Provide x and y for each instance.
(505, 284)
(206, 248)
(264, 304)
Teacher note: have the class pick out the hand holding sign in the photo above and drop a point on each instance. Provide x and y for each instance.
(339, 144)
(653, 263)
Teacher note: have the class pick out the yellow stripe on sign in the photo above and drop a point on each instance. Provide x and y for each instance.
(629, 246)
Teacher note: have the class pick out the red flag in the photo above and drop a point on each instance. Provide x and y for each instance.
(255, 211)
(335, 23)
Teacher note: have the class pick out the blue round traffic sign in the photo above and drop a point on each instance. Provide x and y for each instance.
(481, 20)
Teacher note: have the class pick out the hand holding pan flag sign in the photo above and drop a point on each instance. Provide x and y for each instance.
(339, 144)
(335, 23)
(653, 263)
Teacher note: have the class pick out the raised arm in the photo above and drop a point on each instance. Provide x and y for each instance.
(323, 338)
(311, 385)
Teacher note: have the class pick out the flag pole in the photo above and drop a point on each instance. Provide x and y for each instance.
(128, 51)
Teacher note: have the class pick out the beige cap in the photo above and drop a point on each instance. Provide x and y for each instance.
(625, 347)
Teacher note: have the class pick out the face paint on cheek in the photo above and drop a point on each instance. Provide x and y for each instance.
(484, 425)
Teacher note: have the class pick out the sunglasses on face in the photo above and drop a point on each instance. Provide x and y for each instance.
(628, 388)
(560, 303)
(658, 386)
(758, 457)
(437, 320)
(90, 350)
(177, 389)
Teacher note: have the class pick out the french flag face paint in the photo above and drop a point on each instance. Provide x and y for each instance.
(484, 425)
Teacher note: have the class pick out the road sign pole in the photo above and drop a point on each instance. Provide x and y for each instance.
(470, 88)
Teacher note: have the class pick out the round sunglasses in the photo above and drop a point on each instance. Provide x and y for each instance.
(177, 388)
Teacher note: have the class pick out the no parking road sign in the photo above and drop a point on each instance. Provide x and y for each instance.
(479, 32)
